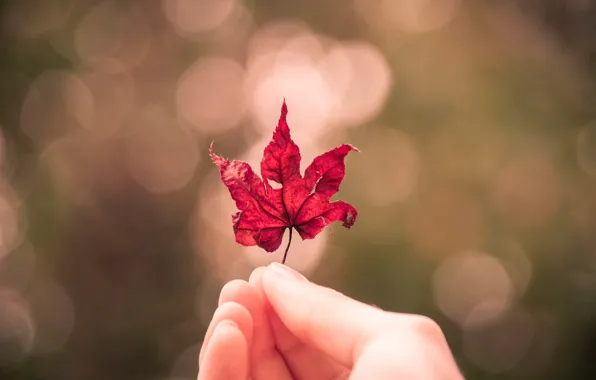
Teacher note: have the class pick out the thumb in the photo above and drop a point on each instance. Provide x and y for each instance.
(321, 317)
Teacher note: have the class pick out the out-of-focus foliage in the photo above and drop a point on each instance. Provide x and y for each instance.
(476, 185)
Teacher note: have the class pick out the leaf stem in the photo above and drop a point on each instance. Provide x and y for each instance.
(283, 261)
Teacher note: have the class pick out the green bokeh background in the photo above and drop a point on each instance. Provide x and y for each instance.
(504, 87)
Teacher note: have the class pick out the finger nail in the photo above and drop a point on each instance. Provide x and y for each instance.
(225, 324)
(286, 272)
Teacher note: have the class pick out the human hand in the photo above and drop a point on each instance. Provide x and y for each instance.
(285, 328)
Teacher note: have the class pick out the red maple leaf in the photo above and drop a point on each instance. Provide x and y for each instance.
(302, 203)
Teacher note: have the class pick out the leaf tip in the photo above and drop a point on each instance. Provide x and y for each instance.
(284, 109)
(217, 160)
(211, 154)
(354, 148)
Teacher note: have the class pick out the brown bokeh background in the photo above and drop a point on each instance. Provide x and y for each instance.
(475, 185)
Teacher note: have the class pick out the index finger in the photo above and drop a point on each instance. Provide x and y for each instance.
(325, 319)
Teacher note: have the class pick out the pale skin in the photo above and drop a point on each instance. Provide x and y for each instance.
(280, 326)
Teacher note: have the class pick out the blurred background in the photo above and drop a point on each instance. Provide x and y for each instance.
(475, 185)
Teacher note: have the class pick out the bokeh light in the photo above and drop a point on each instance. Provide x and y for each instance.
(17, 328)
(402, 177)
(36, 17)
(191, 17)
(360, 77)
(519, 266)
(473, 287)
(475, 184)
(81, 167)
(162, 157)
(527, 191)
(210, 95)
(409, 16)
(293, 75)
(500, 346)
(57, 103)
(113, 98)
(328, 83)
(113, 36)
(10, 223)
(54, 314)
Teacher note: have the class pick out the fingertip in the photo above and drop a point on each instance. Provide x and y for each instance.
(265, 359)
(278, 282)
(233, 312)
(228, 341)
(266, 280)
(241, 292)
(320, 316)
(231, 290)
(256, 276)
(228, 330)
(236, 313)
